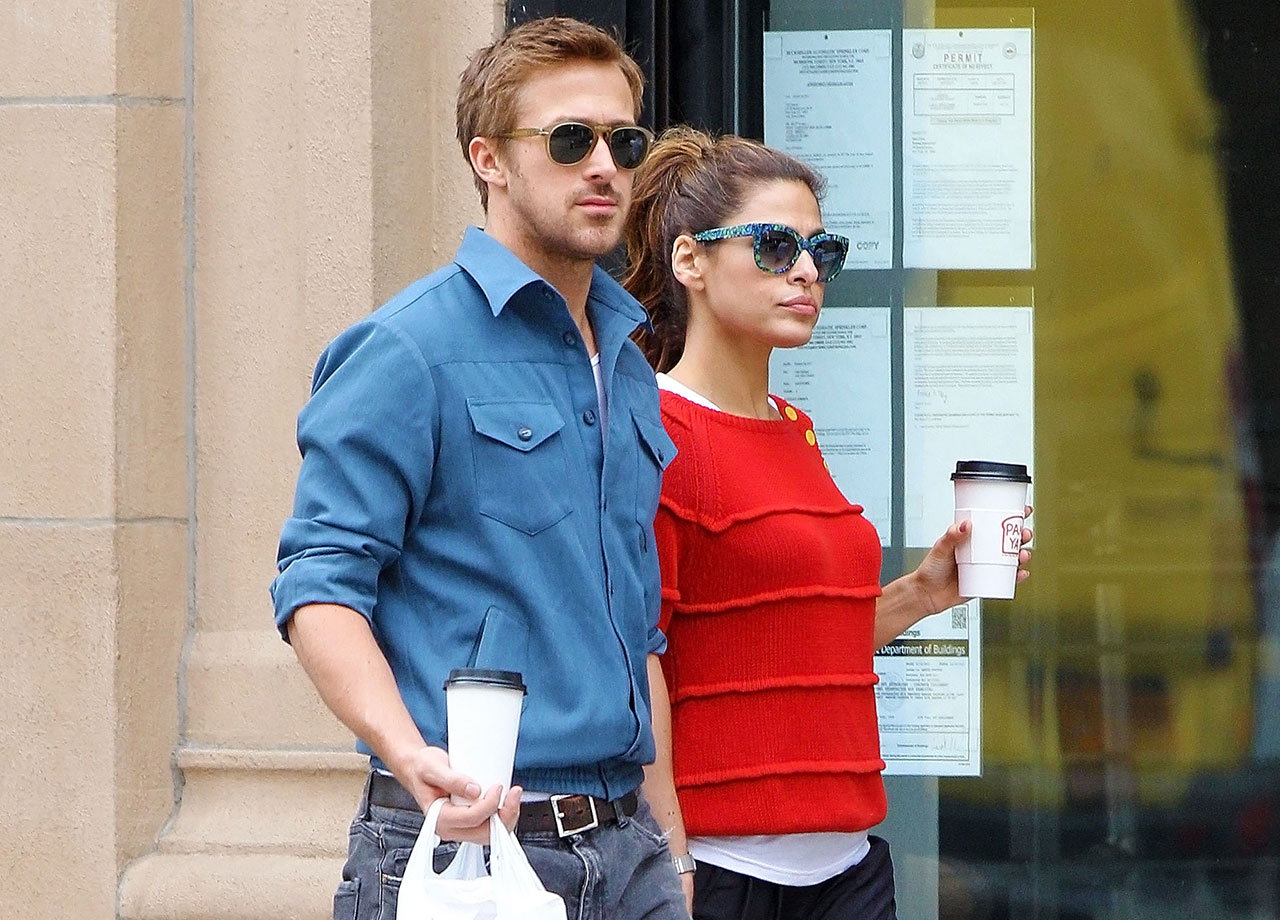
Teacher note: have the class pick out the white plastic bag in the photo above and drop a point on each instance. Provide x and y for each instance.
(463, 891)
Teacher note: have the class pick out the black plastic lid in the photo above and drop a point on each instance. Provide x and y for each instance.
(512, 680)
(991, 470)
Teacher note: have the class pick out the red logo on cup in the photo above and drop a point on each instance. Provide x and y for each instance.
(1012, 541)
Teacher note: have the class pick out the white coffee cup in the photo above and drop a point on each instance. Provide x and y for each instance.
(992, 497)
(483, 711)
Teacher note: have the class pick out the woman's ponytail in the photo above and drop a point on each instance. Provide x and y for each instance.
(689, 182)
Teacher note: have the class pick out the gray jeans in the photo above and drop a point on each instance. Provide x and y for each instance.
(619, 871)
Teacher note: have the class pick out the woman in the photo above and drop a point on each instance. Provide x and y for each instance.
(764, 708)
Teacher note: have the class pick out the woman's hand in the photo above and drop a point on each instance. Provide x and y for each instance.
(934, 586)
(937, 578)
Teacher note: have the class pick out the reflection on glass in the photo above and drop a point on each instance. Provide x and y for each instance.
(1131, 693)
(1131, 698)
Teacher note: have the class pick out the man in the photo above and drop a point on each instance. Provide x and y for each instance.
(481, 460)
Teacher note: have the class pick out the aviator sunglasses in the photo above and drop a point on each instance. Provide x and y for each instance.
(777, 247)
(571, 141)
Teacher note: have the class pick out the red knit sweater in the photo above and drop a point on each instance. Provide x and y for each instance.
(769, 585)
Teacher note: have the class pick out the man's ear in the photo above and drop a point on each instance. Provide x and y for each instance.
(483, 152)
(687, 262)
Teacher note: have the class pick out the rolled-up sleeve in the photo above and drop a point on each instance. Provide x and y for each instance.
(367, 439)
(657, 643)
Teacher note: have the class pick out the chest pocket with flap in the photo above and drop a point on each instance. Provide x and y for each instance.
(655, 456)
(520, 463)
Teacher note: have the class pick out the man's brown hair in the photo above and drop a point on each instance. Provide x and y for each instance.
(490, 86)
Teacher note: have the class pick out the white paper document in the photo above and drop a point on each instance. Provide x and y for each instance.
(967, 395)
(929, 697)
(842, 380)
(828, 101)
(966, 148)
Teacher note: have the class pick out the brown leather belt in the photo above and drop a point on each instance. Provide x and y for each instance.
(562, 815)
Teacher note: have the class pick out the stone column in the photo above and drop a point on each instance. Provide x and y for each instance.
(193, 199)
(325, 177)
(94, 514)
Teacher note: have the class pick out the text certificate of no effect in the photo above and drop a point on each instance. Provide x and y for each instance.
(966, 148)
(841, 379)
(828, 101)
(929, 698)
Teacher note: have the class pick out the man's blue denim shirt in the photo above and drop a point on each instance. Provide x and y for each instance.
(455, 489)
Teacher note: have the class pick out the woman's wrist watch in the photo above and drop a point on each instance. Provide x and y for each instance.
(684, 863)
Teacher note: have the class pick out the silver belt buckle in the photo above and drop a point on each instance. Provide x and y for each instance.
(558, 816)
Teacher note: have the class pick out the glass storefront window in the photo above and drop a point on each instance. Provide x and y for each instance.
(1131, 726)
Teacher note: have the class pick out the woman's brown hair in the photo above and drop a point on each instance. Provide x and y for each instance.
(690, 182)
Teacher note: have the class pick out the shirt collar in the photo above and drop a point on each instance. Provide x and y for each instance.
(501, 276)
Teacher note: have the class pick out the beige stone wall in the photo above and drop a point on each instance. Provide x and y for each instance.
(194, 197)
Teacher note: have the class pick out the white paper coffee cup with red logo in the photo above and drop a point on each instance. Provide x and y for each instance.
(992, 497)
(483, 710)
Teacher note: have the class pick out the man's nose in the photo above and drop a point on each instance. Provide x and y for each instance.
(599, 165)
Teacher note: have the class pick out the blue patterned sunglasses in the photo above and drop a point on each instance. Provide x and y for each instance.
(777, 247)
